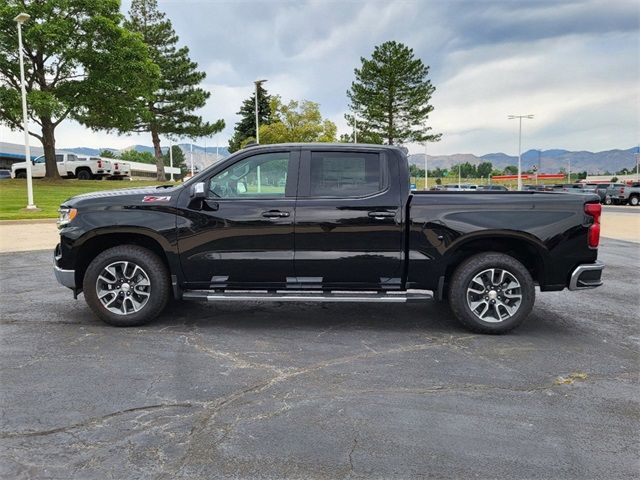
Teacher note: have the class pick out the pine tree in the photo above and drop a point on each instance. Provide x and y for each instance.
(391, 95)
(246, 127)
(171, 110)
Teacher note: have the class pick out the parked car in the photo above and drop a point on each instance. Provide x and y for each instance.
(69, 166)
(5, 174)
(460, 187)
(494, 188)
(600, 189)
(344, 224)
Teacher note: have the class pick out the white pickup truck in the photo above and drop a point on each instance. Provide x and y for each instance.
(119, 169)
(69, 166)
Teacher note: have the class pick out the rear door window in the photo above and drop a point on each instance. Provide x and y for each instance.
(347, 174)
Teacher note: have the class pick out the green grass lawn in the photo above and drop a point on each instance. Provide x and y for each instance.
(48, 195)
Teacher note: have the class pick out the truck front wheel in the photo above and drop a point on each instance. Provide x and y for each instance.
(83, 175)
(126, 286)
(491, 293)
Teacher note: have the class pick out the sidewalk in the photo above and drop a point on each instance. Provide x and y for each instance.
(26, 235)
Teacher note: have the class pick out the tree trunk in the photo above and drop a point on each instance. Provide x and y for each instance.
(158, 152)
(49, 145)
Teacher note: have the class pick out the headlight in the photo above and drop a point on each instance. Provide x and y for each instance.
(66, 215)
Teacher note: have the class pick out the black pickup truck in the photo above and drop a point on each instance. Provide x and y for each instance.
(328, 223)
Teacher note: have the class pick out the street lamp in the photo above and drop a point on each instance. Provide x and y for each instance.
(20, 19)
(171, 159)
(426, 168)
(519, 117)
(258, 83)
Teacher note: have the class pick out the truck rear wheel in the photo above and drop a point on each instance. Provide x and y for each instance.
(491, 293)
(126, 286)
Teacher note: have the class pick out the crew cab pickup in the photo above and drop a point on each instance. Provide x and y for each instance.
(69, 166)
(325, 223)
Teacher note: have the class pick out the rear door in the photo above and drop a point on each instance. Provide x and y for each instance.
(348, 228)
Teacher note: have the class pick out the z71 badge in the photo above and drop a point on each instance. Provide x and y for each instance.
(154, 198)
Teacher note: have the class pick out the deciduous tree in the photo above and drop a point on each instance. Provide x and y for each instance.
(297, 122)
(79, 63)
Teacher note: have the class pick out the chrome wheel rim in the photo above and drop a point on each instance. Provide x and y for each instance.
(123, 287)
(494, 295)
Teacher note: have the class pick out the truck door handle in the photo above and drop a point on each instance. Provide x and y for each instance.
(381, 215)
(275, 214)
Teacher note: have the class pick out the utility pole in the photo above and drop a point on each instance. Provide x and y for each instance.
(258, 83)
(519, 117)
(20, 19)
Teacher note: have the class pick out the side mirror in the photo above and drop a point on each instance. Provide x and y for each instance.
(198, 190)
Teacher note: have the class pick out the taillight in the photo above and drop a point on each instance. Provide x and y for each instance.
(99, 163)
(594, 210)
(621, 190)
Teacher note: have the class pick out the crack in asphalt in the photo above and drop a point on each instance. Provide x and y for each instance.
(95, 420)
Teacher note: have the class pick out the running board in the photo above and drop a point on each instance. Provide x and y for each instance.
(279, 296)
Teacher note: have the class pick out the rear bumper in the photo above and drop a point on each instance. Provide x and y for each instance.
(588, 275)
(64, 277)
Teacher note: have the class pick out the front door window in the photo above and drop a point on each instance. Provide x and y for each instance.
(259, 176)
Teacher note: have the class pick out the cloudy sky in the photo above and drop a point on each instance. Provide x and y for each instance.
(575, 65)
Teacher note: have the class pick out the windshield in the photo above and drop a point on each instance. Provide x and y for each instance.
(39, 159)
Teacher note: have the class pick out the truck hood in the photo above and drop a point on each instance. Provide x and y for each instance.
(113, 196)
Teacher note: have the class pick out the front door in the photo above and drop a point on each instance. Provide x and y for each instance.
(241, 234)
(348, 225)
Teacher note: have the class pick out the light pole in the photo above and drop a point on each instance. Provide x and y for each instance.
(20, 19)
(355, 130)
(191, 156)
(258, 83)
(426, 168)
(171, 159)
(519, 117)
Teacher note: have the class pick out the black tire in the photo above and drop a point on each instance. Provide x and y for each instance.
(462, 280)
(158, 279)
(634, 200)
(607, 200)
(21, 174)
(84, 175)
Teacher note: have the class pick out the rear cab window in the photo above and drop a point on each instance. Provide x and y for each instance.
(345, 174)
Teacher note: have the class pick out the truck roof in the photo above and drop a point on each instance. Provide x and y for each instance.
(342, 146)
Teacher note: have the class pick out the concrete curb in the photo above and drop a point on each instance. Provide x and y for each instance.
(34, 221)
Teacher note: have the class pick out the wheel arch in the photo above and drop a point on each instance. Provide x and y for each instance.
(96, 243)
(527, 249)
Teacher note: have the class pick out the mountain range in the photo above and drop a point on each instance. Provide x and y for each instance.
(185, 147)
(547, 161)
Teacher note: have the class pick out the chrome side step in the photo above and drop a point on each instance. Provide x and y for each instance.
(284, 296)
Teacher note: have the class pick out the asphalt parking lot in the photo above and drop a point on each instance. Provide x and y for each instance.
(319, 391)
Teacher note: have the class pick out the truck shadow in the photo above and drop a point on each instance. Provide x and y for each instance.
(433, 317)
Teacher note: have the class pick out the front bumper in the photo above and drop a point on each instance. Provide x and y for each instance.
(64, 277)
(588, 275)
